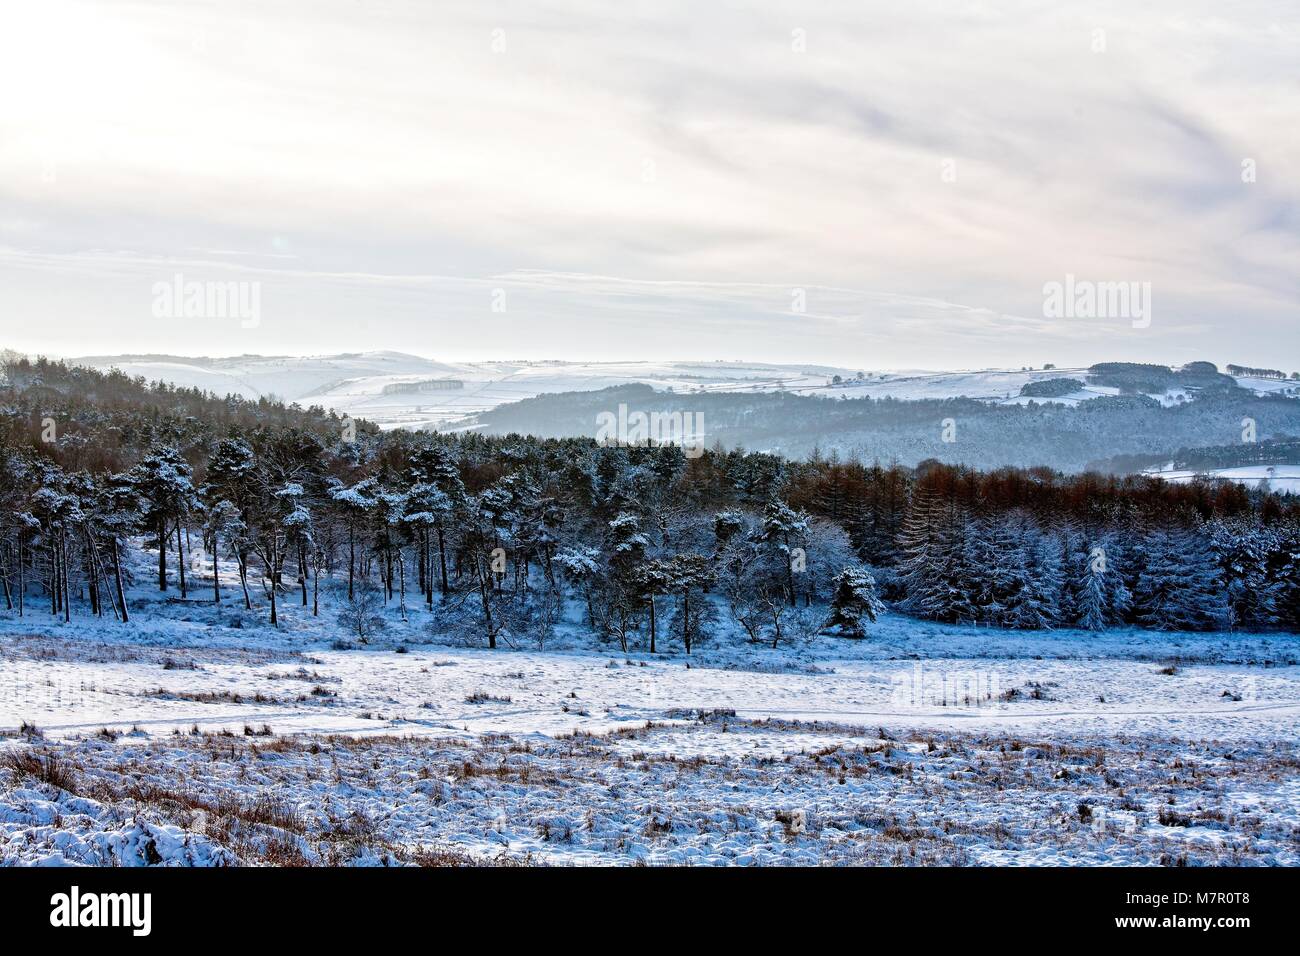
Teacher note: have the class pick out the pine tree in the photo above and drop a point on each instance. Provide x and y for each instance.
(581, 566)
(936, 566)
(428, 511)
(784, 528)
(688, 573)
(163, 480)
(1040, 599)
(650, 580)
(1242, 552)
(854, 599)
(1284, 574)
(1180, 587)
(355, 504)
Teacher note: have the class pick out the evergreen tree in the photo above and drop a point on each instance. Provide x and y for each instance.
(1242, 552)
(935, 565)
(163, 481)
(1179, 588)
(785, 529)
(853, 601)
(688, 573)
(1100, 597)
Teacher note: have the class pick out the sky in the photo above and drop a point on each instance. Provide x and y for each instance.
(853, 183)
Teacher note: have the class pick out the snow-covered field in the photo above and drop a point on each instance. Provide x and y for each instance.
(69, 689)
(713, 790)
(1285, 478)
(183, 739)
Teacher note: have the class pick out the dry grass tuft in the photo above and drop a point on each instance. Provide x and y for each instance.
(46, 768)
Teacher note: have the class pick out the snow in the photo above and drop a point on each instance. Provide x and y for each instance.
(710, 790)
(354, 384)
(199, 735)
(1283, 478)
(580, 756)
(71, 690)
(1267, 386)
(58, 829)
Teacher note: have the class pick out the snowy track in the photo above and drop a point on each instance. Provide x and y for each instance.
(68, 690)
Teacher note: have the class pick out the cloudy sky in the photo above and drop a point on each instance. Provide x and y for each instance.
(595, 180)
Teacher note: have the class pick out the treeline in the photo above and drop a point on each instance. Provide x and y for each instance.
(499, 538)
(1283, 450)
(1051, 387)
(1134, 377)
(1035, 548)
(1246, 370)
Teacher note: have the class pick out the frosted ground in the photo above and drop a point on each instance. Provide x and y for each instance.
(197, 735)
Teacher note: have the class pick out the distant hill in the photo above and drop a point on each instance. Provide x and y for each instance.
(1070, 437)
(1119, 416)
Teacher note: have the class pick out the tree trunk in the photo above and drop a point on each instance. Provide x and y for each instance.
(442, 558)
(428, 572)
(789, 573)
(216, 575)
(67, 587)
(4, 576)
(92, 577)
(56, 589)
(401, 571)
(424, 559)
(652, 624)
(685, 619)
(117, 578)
(101, 574)
(180, 558)
(22, 574)
(162, 553)
(484, 589)
(352, 557)
(242, 559)
(273, 554)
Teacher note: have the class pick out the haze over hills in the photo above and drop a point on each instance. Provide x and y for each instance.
(384, 386)
(1113, 416)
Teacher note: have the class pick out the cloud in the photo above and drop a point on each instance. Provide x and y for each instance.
(920, 169)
